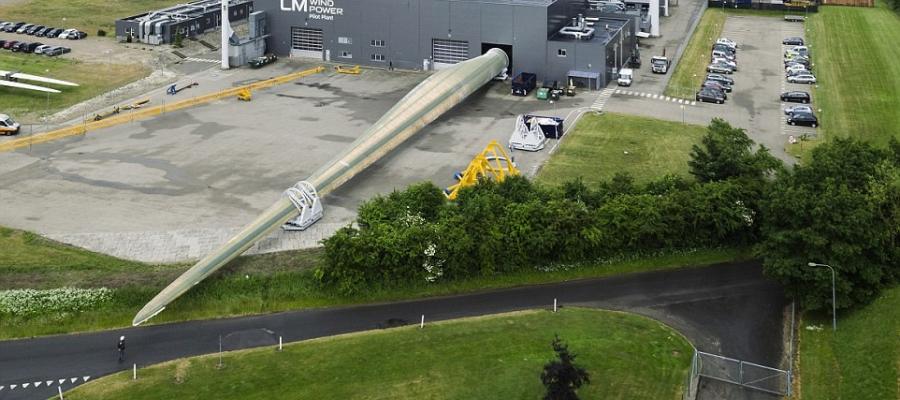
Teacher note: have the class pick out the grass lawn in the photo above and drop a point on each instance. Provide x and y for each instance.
(855, 54)
(861, 361)
(249, 285)
(691, 69)
(86, 15)
(496, 357)
(29, 106)
(596, 150)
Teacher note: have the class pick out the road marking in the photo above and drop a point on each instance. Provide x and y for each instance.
(38, 383)
(49, 383)
(85, 378)
(204, 60)
(693, 103)
(13, 387)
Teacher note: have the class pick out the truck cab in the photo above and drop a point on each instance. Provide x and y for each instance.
(659, 64)
(626, 75)
(8, 126)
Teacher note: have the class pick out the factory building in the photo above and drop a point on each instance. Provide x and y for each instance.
(191, 19)
(558, 40)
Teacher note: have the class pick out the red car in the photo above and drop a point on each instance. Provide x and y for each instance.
(8, 45)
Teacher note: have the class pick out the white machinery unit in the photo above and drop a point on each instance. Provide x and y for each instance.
(303, 195)
(528, 138)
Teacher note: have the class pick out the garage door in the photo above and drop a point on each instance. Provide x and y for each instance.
(306, 42)
(448, 52)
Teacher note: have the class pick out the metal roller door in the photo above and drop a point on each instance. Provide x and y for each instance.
(306, 42)
(448, 52)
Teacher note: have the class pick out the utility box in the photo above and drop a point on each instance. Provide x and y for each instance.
(523, 84)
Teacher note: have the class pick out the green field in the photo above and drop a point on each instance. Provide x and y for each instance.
(601, 146)
(86, 15)
(861, 361)
(28, 106)
(496, 357)
(249, 285)
(855, 54)
(691, 69)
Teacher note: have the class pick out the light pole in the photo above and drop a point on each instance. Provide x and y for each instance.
(833, 297)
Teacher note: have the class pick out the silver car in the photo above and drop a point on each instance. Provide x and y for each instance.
(802, 78)
(798, 109)
(719, 68)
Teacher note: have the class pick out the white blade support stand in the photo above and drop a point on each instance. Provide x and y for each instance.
(528, 138)
(303, 195)
(226, 34)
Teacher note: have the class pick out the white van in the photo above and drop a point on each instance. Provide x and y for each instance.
(626, 75)
(8, 126)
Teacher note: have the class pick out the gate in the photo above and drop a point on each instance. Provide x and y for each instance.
(447, 52)
(742, 373)
(307, 42)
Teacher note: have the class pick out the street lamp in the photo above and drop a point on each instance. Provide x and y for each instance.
(833, 297)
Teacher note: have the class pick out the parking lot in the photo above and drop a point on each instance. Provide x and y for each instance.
(755, 102)
(172, 187)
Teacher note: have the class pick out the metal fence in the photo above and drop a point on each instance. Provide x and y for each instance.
(692, 382)
(742, 373)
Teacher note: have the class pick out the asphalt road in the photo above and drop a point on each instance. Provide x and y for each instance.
(728, 309)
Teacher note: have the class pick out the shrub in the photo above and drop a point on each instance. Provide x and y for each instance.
(26, 302)
(101, 32)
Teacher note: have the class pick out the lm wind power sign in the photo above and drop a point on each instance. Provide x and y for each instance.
(317, 9)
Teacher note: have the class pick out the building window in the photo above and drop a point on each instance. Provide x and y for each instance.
(345, 40)
(378, 43)
(561, 53)
(378, 57)
(346, 54)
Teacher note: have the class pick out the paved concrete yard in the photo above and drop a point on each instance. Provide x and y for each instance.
(174, 187)
(754, 105)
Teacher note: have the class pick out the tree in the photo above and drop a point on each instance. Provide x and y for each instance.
(562, 377)
(725, 153)
(843, 209)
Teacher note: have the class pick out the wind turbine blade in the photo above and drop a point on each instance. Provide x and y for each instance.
(35, 78)
(27, 86)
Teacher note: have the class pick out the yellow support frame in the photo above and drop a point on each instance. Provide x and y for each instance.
(492, 162)
(144, 113)
(355, 70)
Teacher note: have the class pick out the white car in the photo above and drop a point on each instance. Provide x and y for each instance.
(802, 78)
(40, 49)
(796, 68)
(65, 33)
(732, 64)
(798, 109)
(728, 42)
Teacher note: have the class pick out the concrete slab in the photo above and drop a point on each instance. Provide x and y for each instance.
(174, 187)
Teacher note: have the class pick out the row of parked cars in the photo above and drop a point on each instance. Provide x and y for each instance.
(33, 48)
(41, 30)
(798, 69)
(723, 62)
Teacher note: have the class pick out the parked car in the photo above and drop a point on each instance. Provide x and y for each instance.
(10, 43)
(34, 29)
(796, 72)
(803, 63)
(807, 119)
(24, 28)
(53, 51)
(720, 78)
(54, 33)
(31, 46)
(793, 41)
(802, 78)
(722, 54)
(72, 34)
(710, 95)
(19, 47)
(718, 86)
(722, 47)
(40, 49)
(13, 27)
(719, 68)
(42, 31)
(728, 42)
(730, 63)
(797, 109)
(796, 97)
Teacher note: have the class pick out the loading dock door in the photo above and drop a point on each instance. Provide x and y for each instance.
(306, 42)
(446, 53)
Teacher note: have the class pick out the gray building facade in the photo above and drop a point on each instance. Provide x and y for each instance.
(432, 34)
